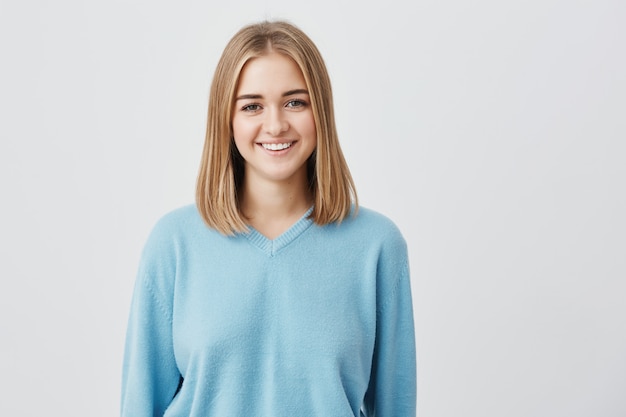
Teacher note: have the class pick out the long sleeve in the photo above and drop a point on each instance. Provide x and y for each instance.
(150, 376)
(392, 388)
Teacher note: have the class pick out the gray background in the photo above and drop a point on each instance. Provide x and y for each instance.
(491, 132)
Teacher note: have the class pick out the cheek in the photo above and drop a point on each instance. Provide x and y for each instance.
(242, 131)
(308, 127)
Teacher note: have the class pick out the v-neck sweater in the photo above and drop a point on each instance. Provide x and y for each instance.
(317, 322)
(272, 246)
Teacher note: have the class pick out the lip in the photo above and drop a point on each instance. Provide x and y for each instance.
(277, 152)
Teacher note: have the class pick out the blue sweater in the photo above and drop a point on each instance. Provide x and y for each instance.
(317, 322)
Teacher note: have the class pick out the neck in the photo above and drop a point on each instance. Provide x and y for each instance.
(272, 207)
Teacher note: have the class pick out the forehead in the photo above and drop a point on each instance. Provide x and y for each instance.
(272, 71)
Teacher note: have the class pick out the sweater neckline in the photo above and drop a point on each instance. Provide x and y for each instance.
(272, 246)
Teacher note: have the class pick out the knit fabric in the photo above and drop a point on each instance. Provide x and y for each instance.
(317, 322)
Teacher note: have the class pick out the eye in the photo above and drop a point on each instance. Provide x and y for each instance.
(251, 108)
(296, 103)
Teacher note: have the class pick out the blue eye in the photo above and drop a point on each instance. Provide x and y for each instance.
(251, 108)
(296, 103)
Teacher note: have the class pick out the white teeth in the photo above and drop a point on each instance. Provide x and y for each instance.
(276, 146)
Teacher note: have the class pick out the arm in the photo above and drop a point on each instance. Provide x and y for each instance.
(150, 376)
(392, 387)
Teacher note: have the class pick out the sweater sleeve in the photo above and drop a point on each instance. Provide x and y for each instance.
(392, 387)
(150, 376)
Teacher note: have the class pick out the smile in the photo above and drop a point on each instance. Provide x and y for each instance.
(276, 146)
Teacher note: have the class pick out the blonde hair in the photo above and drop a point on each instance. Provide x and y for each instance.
(221, 169)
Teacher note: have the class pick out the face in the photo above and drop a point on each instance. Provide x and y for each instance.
(272, 122)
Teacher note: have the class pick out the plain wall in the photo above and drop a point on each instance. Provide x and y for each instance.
(493, 133)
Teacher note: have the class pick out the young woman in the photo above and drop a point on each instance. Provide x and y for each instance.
(273, 295)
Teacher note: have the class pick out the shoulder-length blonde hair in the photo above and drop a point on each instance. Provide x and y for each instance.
(221, 170)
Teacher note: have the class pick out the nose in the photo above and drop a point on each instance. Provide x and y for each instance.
(275, 122)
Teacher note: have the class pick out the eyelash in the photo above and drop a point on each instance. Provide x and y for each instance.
(248, 107)
(294, 104)
(300, 103)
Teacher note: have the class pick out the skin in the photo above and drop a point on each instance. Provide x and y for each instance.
(274, 131)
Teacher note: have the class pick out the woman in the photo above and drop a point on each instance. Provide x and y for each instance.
(273, 295)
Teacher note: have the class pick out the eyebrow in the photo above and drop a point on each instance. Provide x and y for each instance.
(285, 94)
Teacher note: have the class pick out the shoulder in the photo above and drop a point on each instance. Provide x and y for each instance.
(365, 231)
(178, 219)
(179, 224)
(385, 247)
(375, 226)
(367, 217)
(173, 238)
(175, 229)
